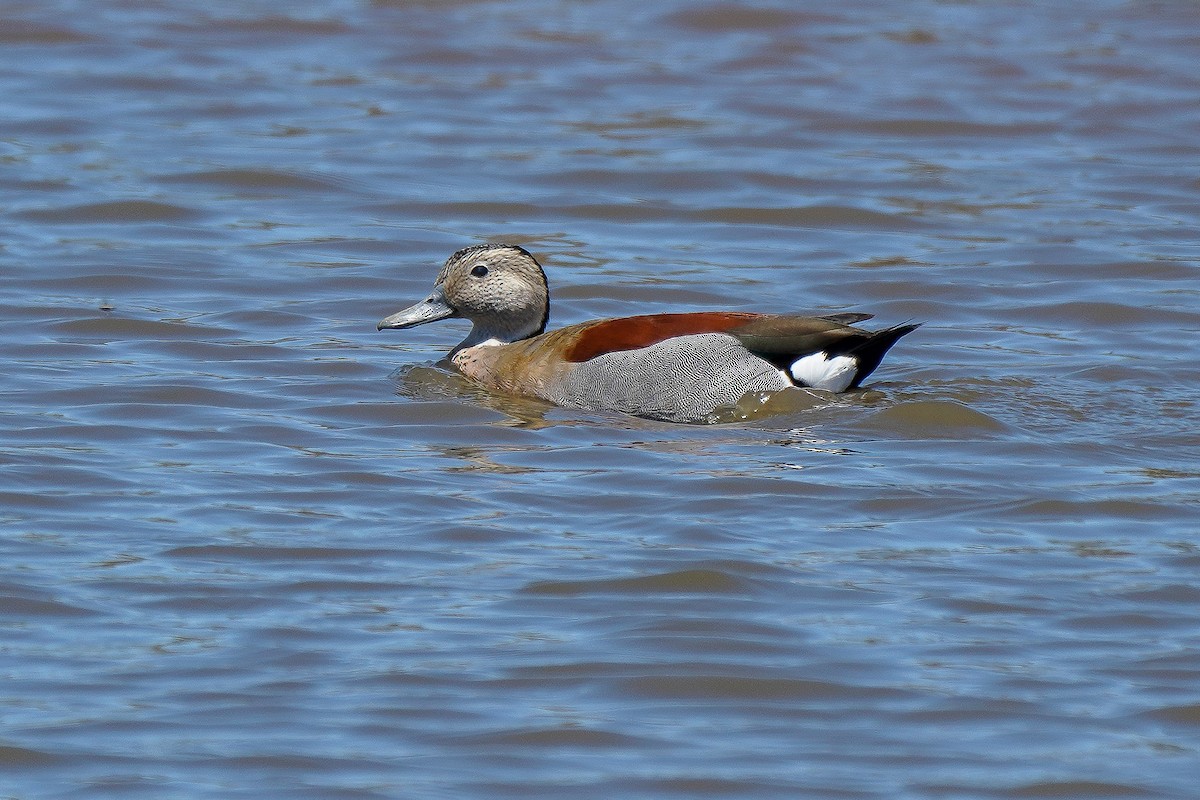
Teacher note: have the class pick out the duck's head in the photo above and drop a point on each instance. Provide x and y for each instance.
(500, 288)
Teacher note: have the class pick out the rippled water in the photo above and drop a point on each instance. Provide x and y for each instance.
(252, 547)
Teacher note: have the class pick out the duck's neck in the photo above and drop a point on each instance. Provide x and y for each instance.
(492, 332)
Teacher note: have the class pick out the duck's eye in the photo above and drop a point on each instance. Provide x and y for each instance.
(479, 270)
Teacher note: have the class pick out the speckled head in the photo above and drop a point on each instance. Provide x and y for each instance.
(500, 288)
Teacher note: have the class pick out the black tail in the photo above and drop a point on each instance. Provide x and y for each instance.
(870, 352)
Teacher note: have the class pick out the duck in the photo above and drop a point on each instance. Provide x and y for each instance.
(675, 367)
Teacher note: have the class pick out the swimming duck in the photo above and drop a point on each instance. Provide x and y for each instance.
(675, 367)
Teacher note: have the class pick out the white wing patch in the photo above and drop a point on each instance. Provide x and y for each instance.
(819, 371)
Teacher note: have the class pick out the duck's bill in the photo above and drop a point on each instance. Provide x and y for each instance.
(430, 309)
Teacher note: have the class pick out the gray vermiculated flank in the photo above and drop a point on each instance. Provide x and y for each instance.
(681, 379)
